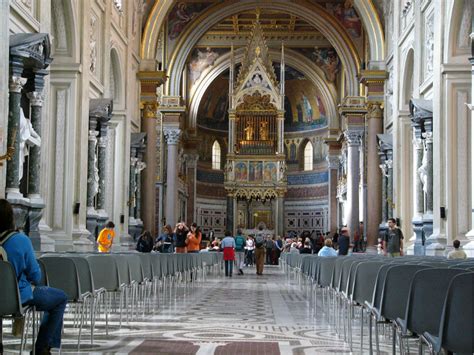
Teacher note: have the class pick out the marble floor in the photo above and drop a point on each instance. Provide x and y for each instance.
(247, 314)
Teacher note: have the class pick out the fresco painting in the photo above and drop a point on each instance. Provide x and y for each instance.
(201, 59)
(270, 172)
(181, 14)
(241, 172)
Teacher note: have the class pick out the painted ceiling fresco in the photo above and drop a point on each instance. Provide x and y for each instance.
(304, 108)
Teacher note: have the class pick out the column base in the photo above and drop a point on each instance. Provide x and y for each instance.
(92, 224)
(427, 221)
(126, 242)
(418, 229)
(436, 244)
(135, 228)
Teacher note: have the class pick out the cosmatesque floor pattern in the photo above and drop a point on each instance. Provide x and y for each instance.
(247, 314)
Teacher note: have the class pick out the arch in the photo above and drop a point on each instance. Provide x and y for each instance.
(336, 35)
(458, 43)
(216, 156)
(408, 78)
(292, 58)
(116, 87)
(308, 156)
(365, 9)
(64, 30)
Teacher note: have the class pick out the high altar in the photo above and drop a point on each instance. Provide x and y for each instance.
(255, 171)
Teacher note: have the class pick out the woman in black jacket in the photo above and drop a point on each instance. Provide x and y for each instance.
(145, 242)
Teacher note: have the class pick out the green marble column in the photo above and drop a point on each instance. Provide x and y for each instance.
(92, 176)
(101, 160)
(132, 193)
(13, 139)
(34, 179)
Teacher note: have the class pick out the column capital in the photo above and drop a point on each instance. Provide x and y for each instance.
(374, 80)
(16, 83)
(171, 104)
(353, 136)
(36, 98)
(353, 105)
(333, 161)
(172, 135)
(374, 110)
(191, 160)
(149, 109)
(152, 79)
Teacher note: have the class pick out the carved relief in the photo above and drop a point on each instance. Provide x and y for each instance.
(256, 102)
(93, 44)
(429, 45)
(465, 26)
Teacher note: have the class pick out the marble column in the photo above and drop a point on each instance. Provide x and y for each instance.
(374, 179)
(417, 220)
(353, 137)
(384, 209)
(138, 210)
(281, 130)
(34, 181)
(191, 167)
(428, 187)
(390, 203)
(280, 216)
(333, 167)
(172, 136)
(13, 138)
(230, 213)
(469, 248)
(149, 175)
(92, 180)
(101, 163)
(132, 194)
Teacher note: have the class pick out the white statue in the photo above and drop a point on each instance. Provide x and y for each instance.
(28, 137)
(423, 170)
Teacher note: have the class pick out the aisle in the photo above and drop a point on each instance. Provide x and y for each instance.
(246, 314)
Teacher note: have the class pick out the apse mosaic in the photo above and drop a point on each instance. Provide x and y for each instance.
(304, 106)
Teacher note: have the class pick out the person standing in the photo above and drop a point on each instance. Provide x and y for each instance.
(106, 238)
(180, 232)
(193, 240)
(228, 247)
(249, 250)
(51, 301)
(277, 249)
(393, 240)
(343, 241)
(260, 251)
(240, 249)
(145, 242)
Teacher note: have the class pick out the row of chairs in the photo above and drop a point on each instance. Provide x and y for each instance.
(127, 283)
(424, 298)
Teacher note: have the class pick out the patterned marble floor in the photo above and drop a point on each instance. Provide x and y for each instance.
(246, 314)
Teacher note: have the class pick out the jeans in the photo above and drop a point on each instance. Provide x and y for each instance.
(228, 267)
(52, 302)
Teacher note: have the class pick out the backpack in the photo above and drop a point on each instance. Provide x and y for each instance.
(239, 243)
(3, 239)
(259, 241)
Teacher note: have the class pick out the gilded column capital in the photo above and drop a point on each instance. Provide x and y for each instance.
(374, 110)
(149, 109)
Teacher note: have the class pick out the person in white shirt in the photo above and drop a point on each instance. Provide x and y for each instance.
(457, 253)
(249, 250)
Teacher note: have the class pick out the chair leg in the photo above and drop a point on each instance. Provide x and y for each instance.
(377, 344)
(371, 350)
(361, 329)
(394, 340)
(83, 307)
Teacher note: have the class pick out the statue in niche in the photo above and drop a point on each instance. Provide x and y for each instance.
(263, 132)
(248, 131)
(28, 137)
(423, 170)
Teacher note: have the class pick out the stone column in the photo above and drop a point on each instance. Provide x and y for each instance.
(231, 146)
(384, 210)
(138, 196)
(374, 178)
(101, 162)
(353, 138)
(230, 213)
(13, 138)
(172, 136)
(280, 216)
(469, 248)
(428, 188)
(417, 220)
(191, 167)
(333, 167)
(132, 194)
(36, 98)
(281, 130)
(92, 179)
(390, 204)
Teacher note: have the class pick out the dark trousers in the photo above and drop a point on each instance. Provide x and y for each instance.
(52, 302)
(259, 259)
(229, 264)
(268, 256)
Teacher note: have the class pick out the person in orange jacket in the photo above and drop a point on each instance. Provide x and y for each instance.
(106, 238)
(193, 240)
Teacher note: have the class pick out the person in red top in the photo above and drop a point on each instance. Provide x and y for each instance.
(193, 240)
(228, 247)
